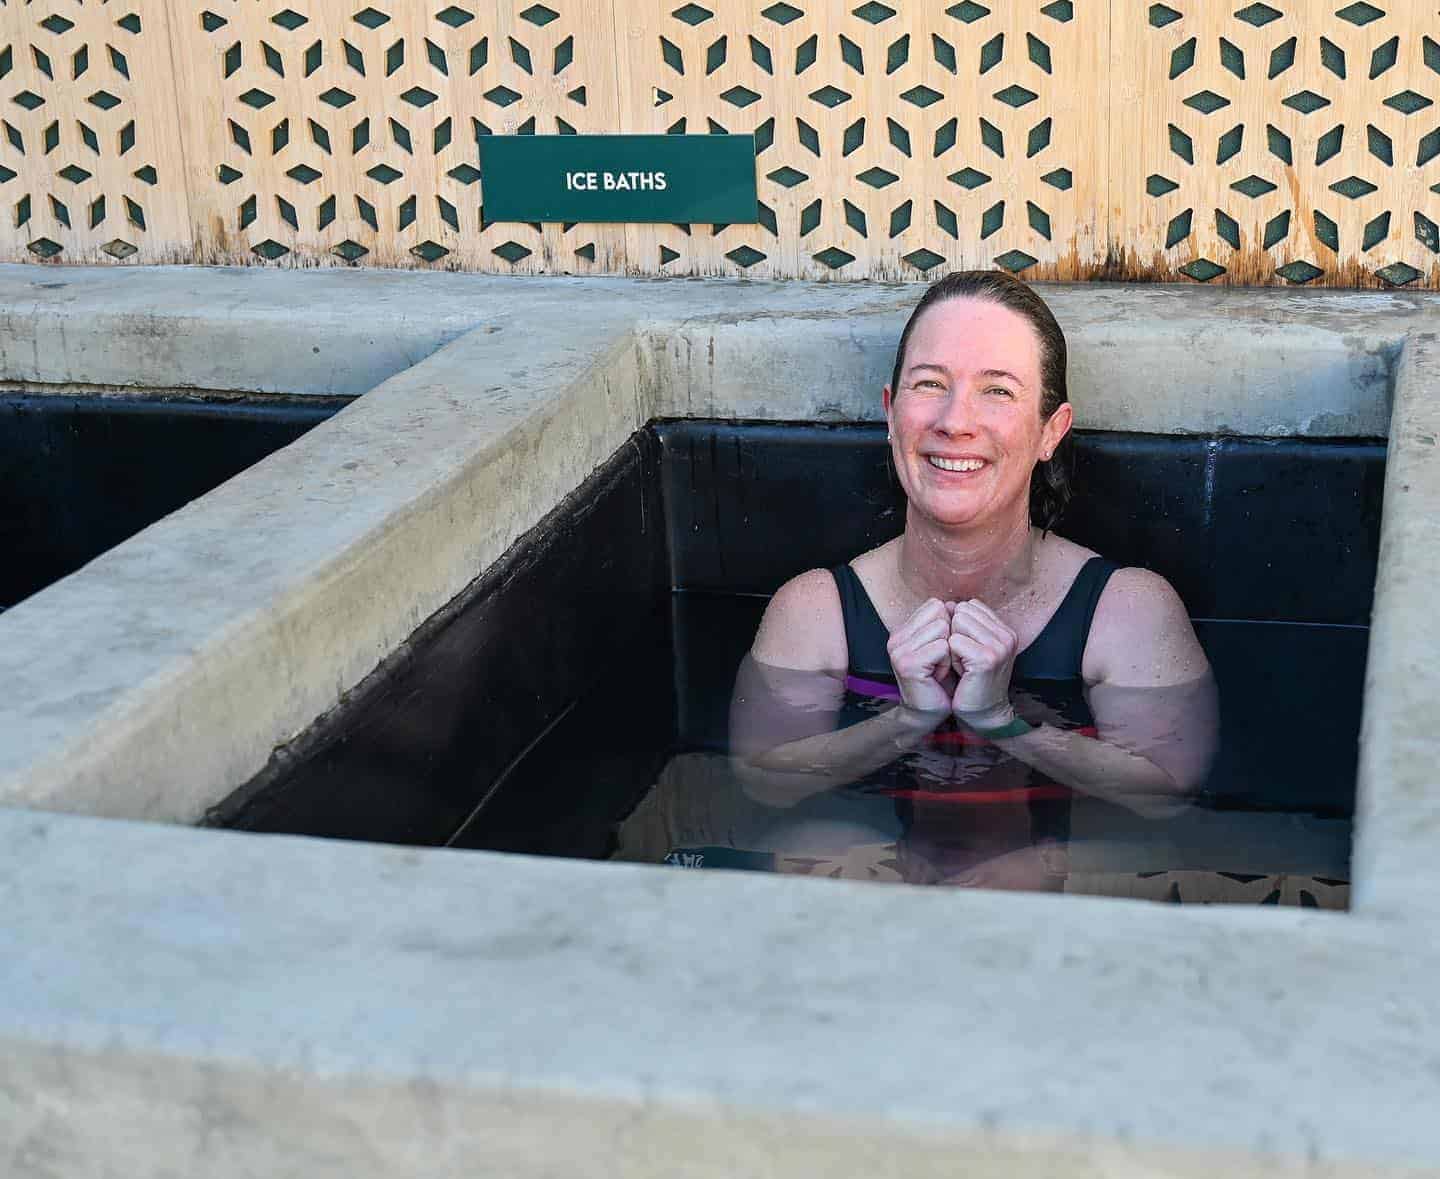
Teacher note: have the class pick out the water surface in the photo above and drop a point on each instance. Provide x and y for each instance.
(641, 770)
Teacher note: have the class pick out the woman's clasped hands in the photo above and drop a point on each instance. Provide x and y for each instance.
(954, 658)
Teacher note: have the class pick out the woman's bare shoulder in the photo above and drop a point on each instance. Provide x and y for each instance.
(1141, 634)
(803, 627)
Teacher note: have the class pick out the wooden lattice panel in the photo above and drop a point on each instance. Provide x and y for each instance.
(90, 163)
(892, 138)
(1178, 140)
(1284, 142)
(335, 131)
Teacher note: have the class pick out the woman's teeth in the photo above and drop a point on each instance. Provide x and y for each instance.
(955, 464)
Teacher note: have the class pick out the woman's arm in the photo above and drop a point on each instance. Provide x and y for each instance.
(785, 753)
(784, 743)
(1150, 690)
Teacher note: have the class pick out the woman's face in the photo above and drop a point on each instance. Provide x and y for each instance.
(965, 422)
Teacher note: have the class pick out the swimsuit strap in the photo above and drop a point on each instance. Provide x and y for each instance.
(866, 635)
(1055, 654)
(1058, 651)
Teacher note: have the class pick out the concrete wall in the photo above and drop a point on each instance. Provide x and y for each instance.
(264, 602)
(185, 1001)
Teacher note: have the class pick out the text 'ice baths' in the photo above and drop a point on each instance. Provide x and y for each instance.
(615, 181)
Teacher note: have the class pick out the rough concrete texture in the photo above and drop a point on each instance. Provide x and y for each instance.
(182, 1001)
(1397, 846)
(1303, 364)
(1262, 362)
(224, 1004)
(164, 674)
(239, 329)
(178, 660)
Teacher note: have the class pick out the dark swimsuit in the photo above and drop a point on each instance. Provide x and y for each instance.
(1046, 685)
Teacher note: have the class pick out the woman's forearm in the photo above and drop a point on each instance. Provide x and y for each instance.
(1098, 768)
(789, 773)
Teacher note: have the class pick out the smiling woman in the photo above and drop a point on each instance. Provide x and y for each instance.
(979, 669)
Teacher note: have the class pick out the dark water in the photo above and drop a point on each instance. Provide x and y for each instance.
(639, 770)
(81, 473)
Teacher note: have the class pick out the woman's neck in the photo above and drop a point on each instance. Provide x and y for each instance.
(994, 562)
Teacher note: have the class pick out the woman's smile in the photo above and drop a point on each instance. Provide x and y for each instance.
(967, 465)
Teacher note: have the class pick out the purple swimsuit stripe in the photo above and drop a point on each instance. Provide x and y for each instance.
(866, 687)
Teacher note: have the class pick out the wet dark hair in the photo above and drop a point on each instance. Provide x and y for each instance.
(1050, 481)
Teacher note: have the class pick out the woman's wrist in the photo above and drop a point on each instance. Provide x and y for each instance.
(996, 721)
(919, 721)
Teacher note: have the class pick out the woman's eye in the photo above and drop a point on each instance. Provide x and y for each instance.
(1004, 392)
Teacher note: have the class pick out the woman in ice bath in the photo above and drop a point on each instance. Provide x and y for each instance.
(1024, 669)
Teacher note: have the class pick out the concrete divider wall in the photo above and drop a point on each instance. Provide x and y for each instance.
(1396, 863)
(241, 1004)
(1141, 359)
(164, 674)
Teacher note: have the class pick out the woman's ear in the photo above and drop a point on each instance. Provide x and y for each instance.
(1057, 425)
(887, 399)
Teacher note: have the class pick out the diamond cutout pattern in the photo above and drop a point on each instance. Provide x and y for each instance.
(1258, 15)
(1009, 178)
(77, 151)
(1407, 102)
(1307, 102)
(366, 152)
(1360, 14)
(1241, 67)
(1299, 272)
(834, 258)
(892, 141)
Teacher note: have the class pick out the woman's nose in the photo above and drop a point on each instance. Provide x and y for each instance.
(957, 417)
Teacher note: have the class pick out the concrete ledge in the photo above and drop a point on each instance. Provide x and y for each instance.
(240, 1004)
(246, 1004)
(1301, 364)
(176, 662)
(163, 675)
(237, 329)
(1397, 846)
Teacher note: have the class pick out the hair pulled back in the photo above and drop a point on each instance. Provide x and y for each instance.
(1050, 481)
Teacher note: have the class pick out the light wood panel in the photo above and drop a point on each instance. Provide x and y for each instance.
(1285, 142)
(894, 139)
(91, 167)
(322, 132)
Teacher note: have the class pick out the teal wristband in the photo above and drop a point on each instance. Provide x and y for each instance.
(1014, 728)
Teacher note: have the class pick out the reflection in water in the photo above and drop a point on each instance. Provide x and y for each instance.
(964, 811)
(957, 811)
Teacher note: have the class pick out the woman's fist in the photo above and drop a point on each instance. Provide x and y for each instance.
(919, 651)
(982, 649)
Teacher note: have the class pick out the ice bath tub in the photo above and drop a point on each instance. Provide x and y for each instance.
(538, 714)
(358, 1005)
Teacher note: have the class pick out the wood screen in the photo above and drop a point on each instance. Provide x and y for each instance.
(1288, 143)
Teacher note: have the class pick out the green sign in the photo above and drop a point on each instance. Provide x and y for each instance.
(708, 179)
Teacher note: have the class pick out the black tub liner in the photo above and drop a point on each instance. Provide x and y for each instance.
(81, 473)
(470, 734)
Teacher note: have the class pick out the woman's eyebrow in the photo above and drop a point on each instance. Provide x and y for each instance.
(984, 372)
(1000, 372)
